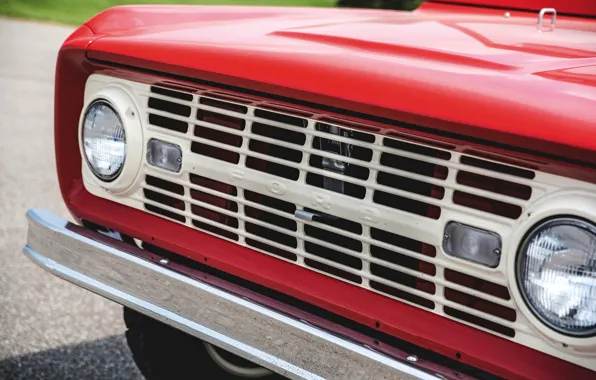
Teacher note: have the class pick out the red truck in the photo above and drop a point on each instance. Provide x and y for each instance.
(334, 193)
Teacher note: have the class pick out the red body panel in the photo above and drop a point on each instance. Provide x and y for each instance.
(576, 7)
(390, 68)
(437, 63)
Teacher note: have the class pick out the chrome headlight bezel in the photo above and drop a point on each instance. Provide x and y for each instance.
(116, 174)
(561, 220)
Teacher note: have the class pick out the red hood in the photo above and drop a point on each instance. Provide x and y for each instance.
(442, 66)
(573, 7)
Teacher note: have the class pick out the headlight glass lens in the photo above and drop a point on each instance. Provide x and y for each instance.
(557, 275)
(104, 140)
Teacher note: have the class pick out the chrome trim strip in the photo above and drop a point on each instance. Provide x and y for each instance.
(278, 342)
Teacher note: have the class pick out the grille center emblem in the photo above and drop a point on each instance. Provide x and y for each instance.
(334, 165)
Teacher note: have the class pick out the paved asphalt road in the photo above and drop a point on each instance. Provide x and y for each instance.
(49, 329)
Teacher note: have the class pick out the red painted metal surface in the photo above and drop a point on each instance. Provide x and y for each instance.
(575, 7)
(72, 71)
(445, 63)
(394, 67)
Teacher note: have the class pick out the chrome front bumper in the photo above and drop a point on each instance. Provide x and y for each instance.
(119, 272)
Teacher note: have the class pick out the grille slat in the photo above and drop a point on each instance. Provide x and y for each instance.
(303, 236)
(439, 261)
(214, 226)
(275, 148)
(238, 151)
(366, 241)
(359, 273)
(453, 164)
(383, 169)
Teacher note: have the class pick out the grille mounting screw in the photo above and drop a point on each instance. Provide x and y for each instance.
(445, 236)
(164, 261)
(497, 251)
(130, 112)
(412, 358)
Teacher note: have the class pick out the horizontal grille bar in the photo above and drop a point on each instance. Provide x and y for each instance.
(452, 164)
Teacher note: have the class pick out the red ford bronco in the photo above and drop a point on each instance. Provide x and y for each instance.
(334, 193)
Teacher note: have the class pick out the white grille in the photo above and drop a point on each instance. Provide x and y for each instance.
(249, 165)
(276, 149)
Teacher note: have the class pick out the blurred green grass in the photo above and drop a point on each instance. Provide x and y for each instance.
(76, 12)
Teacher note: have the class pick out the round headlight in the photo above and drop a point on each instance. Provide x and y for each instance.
(104, 140)
(556, 269)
